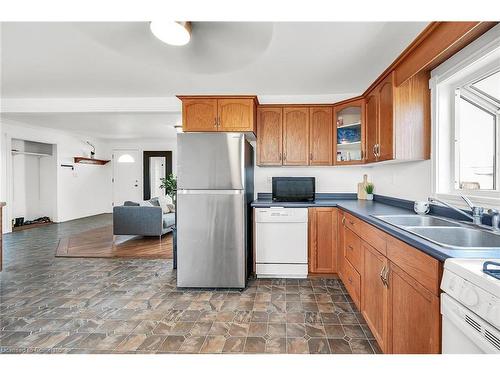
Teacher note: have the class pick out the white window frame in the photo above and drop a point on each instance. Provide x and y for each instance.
(476, 61)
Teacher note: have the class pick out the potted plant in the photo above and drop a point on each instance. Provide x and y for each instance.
(169, 183)
(369, 191)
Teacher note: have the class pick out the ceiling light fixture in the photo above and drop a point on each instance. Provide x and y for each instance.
(174, 33)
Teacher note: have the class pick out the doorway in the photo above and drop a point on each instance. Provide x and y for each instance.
(156, 165)
(126, 176)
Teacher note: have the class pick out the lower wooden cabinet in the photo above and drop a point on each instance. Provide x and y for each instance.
(374, 298)
(414, 316)
(323, 242)
(395, 286)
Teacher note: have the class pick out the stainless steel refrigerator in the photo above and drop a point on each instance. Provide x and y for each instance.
(214, 191)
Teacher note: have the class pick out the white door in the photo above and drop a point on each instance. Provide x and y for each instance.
(156, 173)
(127, 177)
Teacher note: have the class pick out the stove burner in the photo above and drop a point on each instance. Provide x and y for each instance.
(492, 272)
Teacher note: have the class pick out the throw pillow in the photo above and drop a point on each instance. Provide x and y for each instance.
(146, 204)
(164, 204)
(171, 207)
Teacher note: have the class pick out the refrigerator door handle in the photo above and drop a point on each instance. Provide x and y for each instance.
(211, 192)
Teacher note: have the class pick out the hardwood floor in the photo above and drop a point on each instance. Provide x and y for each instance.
(98, 243)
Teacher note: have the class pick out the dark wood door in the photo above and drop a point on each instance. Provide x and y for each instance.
(374, 294)
(296, 136)
(320, 141)
(269, 136)
(323, 240)
(414, 318)
(386, 120)
(199, 114)
(371, 128)
(236, 115)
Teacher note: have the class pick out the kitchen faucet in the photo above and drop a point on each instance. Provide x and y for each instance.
(495, 219)
(477, 212)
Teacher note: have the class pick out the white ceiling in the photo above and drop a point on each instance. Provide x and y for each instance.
(104, 125)
(123, 59)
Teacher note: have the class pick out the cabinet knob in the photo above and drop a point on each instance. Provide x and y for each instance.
(311, 156)
(215, 122)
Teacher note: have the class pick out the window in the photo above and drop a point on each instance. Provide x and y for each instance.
(126, 158)
(475, 144)
(465, 93)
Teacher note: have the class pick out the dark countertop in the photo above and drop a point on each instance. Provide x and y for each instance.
(366, 209)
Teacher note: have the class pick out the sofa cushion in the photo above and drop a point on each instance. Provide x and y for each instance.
(168, 220)
(130, 203)
(154, 202)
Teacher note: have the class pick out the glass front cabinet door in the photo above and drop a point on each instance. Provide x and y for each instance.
(349, 135)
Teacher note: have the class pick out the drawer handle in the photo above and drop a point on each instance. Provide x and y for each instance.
(350, 247)
(350, 280)
(383, 275)
(343, 219)
(351, 222)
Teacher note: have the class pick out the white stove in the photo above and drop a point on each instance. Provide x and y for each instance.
(470, 306)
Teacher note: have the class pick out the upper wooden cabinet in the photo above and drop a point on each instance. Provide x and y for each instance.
(320, 138)
(371, 110)
(398, 120)
(199, 114)
(385, 119)
(295, 135)
(349, 132)
(269, 135)
(224, 113)
(323, 242)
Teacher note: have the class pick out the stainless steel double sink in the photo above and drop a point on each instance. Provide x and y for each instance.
(445, 232)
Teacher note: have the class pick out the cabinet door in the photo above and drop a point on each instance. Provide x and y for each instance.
(321, 127)
(323, 240)
(199, 115)
(414, 315)
(236, 115)
(269, 136)
(386, 120)
(371, 126)
(296, 136)
(374, 294)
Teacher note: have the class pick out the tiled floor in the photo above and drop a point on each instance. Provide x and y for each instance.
(59, 305)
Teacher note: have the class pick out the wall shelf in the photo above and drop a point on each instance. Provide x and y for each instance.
(82, 160)
(16, 152)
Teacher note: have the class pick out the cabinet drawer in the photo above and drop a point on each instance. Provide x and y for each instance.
(352, 281)
(352, 249)
(376, 238)
(421, 267)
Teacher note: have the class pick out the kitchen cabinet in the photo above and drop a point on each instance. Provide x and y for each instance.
(219, 113)
(374, 297)
(323, 243)
(199, 115)
(395, 286)
(384, 146)
(236, 115)
(295, 135)
(269, 135)
(321, 127)
(398, 120)
(349, 132)
(414, 315)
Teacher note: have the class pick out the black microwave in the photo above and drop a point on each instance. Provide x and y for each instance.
(293, 189)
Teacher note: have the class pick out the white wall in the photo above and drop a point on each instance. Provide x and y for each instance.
(83, 192)
(411, 180)
(147, 145)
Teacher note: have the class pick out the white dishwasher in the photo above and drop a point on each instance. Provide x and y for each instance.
(281, 242)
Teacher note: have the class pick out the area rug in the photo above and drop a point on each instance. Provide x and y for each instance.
(98, 243)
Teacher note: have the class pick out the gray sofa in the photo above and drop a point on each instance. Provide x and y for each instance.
(136, 220)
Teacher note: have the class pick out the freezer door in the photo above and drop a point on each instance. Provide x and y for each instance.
(210, 161)
(211, 239)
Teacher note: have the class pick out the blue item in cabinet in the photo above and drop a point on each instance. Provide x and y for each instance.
(349, 135)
